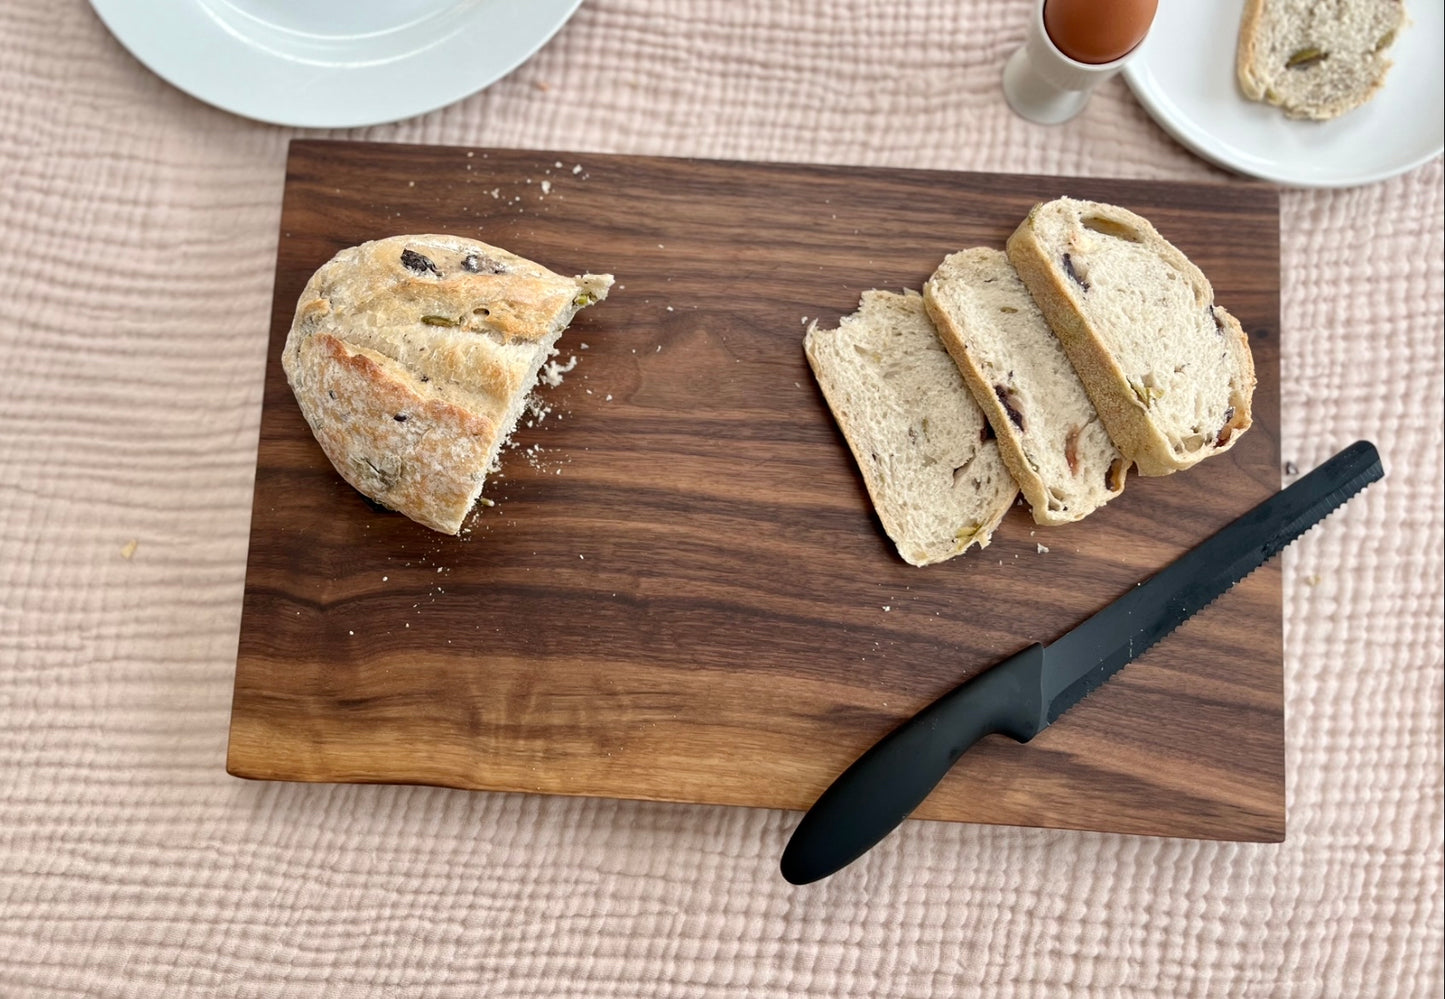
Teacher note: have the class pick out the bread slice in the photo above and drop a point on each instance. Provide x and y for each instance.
(411, 358)
(1049, 435)
(928, 459)
(1315, 60)
(1169, 372)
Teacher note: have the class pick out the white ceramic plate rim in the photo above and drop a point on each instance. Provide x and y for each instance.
(1183, 75)
(218, 52)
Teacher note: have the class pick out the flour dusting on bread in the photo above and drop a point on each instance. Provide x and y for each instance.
(412, 358)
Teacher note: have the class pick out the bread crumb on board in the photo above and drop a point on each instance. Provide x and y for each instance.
(536, 411)
(552, 372)
(1043, 549)
(128, 549)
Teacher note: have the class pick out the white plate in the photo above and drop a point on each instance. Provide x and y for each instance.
(1183, 74)
(332, 63)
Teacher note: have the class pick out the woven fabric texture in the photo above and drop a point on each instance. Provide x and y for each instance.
(138, 232)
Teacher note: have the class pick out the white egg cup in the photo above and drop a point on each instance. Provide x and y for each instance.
(1046, 86)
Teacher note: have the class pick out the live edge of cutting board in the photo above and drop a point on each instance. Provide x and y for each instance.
(682, 593)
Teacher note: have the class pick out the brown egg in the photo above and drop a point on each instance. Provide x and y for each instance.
(1098, 31)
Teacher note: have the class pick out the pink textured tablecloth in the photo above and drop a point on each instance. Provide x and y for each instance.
(138, 233)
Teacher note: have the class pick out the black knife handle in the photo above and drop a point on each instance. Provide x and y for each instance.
(873, 796)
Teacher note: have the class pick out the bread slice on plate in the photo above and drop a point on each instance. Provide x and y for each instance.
(1049, 434)
(1315, 60)
(411, 358)
(1169, 371)
(929, 461)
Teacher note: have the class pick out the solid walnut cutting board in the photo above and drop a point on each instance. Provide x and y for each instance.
(682, 592)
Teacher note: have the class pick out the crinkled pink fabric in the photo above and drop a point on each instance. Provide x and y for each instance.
(138, 233)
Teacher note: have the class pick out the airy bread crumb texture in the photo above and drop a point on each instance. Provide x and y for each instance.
(1169, 371)
(1316, 60)
(1048, 432)
(927, 457)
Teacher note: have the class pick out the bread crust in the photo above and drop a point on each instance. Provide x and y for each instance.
(1128, 421)
(1247, 53)
(410, 358)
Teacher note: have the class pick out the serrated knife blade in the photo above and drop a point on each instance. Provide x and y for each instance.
(1024, 694)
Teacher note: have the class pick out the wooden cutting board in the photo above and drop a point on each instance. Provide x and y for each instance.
(682, 593)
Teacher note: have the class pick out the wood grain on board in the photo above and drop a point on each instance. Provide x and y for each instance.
(682, 592)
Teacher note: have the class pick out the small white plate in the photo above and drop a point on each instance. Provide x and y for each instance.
(332, 63)
(1184, 76)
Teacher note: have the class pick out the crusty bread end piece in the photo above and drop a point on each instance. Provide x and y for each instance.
(411, 359)
(1049, 434)
(1169, 372)
(1316, 60)
(929, 462)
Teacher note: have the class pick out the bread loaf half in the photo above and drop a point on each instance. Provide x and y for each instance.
(928, 458)
(1315, 60)
(1049, 434)
(1169, 371)
(411, 358)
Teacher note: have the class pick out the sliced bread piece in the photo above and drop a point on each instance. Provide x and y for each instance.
(929, 461)
(411, 359)
(1169, 372)
(1315, 60)
(1049, 434)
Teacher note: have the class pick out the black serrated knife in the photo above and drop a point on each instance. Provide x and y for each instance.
(1025, 693)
